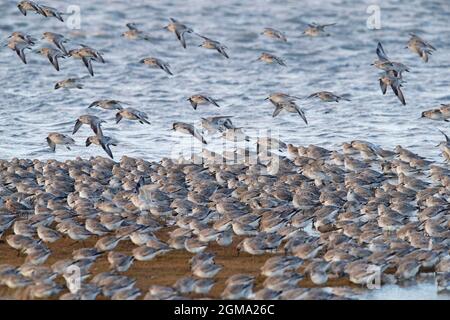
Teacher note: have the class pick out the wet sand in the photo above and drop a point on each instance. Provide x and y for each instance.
(163, 270)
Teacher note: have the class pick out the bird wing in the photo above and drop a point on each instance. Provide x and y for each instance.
(211, 100)
(165, 67)
(21, 55)
(196, 134)
(107, 149)
(446, 137)
(60, 46)
(380, 52)
(280, 61)
(193, 103)
(54, 61)
(51, 144)
(222, 52)
(398, 92)
(180, 37)
(383, 86)
(87, 62)
(302, 114)
(77, 126)
(277, 110)
(131, 26)
(95, 126)
(93, 104)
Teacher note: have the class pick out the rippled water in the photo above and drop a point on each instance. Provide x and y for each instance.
(30, 107)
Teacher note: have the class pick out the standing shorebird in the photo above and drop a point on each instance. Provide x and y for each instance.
(420, 46)
(179, 29)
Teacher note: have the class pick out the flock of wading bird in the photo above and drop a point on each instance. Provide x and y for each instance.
(361, 214)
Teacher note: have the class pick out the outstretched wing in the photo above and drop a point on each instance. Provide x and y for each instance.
(51, 144)
(383, 86)
(77, 126)
(21, 55)
(107, 149)
(380, 52)
(213, 102)
(180, 37)
(398, 92)
(87, 62)
(132, 26)
(97, 129)
(302, 114)
(222, 52)
(277, 110)
(446, 137)
(54, 61)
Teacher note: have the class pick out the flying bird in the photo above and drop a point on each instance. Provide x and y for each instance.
(189, 129)
(179, 29)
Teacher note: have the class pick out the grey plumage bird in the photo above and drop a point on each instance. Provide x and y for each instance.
(157, 64)
(92, 121)
(102, 141)
(179, 29)
(189, 129)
